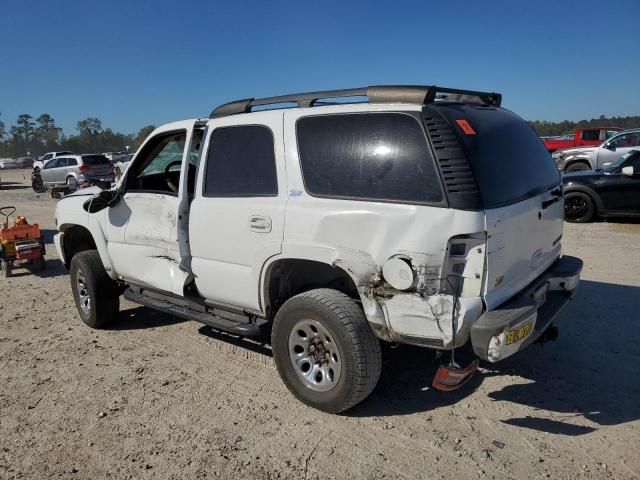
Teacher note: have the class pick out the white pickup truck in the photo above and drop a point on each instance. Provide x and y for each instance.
(423, 215)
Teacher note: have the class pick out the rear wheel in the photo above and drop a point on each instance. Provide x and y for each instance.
(72, 184)
(325, 351)
(577, 167)
(96, 295)
(578, 207)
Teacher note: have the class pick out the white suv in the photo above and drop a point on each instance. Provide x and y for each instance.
(44, 159)
(423, 215)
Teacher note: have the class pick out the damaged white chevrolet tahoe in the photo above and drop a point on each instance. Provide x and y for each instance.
(420, 215)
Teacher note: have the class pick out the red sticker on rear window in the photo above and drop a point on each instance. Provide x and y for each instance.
(466, 128)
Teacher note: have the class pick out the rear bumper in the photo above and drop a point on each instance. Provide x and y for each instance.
(519, 322)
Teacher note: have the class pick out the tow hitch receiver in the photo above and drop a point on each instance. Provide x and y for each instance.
(450, 377)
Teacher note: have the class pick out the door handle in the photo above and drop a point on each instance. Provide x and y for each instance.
(259, 224)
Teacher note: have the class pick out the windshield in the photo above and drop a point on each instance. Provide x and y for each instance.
(508, 159)
(614, 166)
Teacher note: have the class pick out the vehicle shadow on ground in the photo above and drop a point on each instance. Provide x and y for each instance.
(47, 234)
(138, 318)
(587, 379)
(13, 186)
(258, 345)
(53, 268)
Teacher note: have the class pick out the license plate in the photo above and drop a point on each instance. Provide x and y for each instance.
(519, 333)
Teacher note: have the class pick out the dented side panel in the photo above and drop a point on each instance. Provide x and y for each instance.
(143, 240)
(340, 231)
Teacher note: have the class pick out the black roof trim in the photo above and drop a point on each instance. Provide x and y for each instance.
(419, 94)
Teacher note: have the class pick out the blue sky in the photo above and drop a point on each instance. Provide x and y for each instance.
(136, 63)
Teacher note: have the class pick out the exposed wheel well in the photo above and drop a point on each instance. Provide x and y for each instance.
(76, 239)
(289, 277)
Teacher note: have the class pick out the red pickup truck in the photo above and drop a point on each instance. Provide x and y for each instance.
(584, 137)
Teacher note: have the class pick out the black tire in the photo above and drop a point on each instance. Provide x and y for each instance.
(358, 348)
(103, 297)
(577, 167)
(578, 207)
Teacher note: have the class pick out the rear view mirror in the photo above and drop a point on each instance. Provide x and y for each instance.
(628, 171)
(101, 200)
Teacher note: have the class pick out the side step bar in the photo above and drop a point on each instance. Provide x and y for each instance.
(243, 329)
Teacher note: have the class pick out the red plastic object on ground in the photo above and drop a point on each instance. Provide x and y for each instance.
(450, 377)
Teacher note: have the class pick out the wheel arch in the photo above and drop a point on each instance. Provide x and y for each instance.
(597, 201)
(574, 160)
(77, 238)
(303, 268)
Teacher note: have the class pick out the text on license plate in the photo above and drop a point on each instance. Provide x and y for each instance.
(519, 333)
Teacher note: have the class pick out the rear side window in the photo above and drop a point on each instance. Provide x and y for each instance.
(590, 135)
(508, 159)
(241, 163)
(93, 160)
(372, 156)
(72, 162)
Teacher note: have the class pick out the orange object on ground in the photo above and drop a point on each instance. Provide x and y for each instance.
(20, 220)
(20, 232)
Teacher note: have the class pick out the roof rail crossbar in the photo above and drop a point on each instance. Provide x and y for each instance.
(419, 94)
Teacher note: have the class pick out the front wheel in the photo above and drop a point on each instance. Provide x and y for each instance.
(578, 207)
(325, 351)
(577, 167)
(96, 295)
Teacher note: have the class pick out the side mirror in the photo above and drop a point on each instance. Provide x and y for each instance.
(609, 146)
(101, 200)
(628, 171)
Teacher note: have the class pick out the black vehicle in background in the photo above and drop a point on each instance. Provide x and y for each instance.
(613, 191)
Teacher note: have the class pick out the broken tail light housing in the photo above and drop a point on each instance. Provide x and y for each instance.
(464, 265)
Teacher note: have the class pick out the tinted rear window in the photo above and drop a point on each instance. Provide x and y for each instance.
(373, 156)
(92, 160)
(241, 163)
(508, 159)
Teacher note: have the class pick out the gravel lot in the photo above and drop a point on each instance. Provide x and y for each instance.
(158, 397)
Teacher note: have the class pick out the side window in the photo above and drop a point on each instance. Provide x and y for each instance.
(627, 140)
(157, 167)
(52, 164)
(634, 161)
(72, 162)
(241, 163)
(590, 135)
(373, 156)
(608, 134)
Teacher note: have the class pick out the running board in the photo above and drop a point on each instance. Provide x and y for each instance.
(166, 306)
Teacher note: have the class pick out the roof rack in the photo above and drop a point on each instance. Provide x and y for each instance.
(420, 94)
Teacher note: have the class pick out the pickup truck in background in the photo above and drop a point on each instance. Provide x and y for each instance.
(583, 137)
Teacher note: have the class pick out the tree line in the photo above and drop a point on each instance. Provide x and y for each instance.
(30, 137)
(549, 129)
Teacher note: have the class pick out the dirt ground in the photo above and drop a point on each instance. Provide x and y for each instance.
(158, 397)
